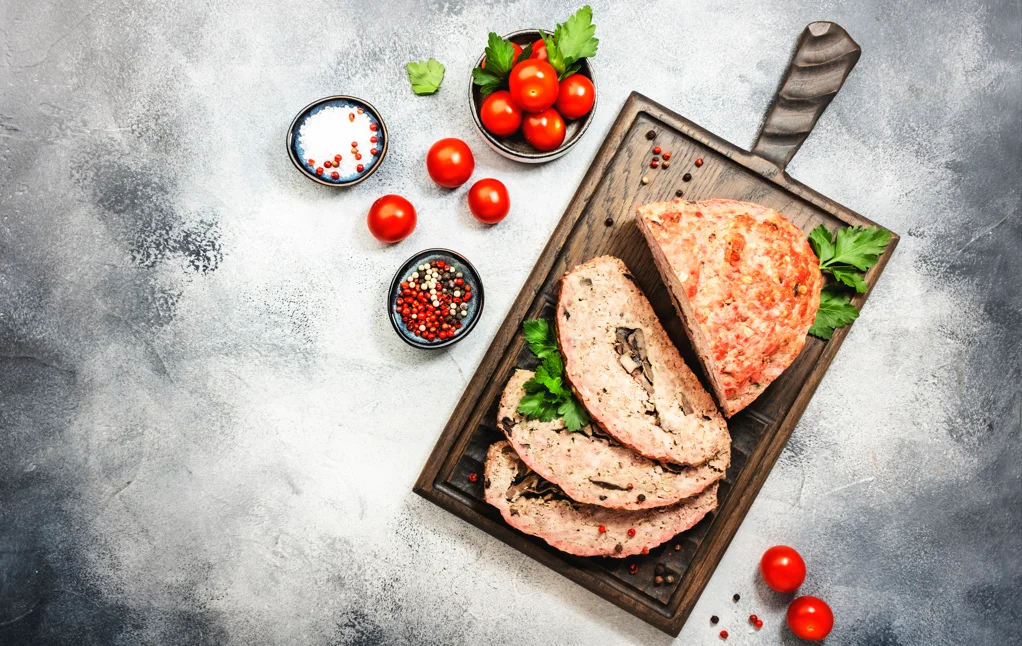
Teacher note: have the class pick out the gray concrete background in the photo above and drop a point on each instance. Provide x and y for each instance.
(209, 433)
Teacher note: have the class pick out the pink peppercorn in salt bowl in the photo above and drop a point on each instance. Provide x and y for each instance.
(337, 141)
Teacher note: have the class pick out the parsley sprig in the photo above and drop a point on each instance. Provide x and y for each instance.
(547, 395)
(571, 41)
(846, 256)
(425, 76)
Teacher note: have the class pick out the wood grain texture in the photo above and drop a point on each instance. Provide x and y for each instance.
(600, 220)
(823, 58)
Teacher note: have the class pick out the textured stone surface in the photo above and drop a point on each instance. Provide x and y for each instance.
(209, 433)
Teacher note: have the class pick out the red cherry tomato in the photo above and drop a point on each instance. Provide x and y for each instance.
(391, 218)
(533, 85)
(518, 51)
(500, 115)
(575, 97)
(539, 50)
(450, 162)
(783, 569)
(545, 131)
(810, 618)
(488, 200)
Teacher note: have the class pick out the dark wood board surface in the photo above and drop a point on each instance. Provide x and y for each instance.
(600, 220)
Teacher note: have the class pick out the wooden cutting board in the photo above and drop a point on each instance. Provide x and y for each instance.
(600, 220)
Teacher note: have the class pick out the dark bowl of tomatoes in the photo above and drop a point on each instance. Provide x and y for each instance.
(435, 299)
(534, 137)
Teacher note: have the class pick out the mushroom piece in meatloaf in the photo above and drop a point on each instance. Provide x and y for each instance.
(593, 468)
(537, 507)
(746, 284)
(627, 373)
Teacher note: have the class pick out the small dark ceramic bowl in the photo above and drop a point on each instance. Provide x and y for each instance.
(372, 162)
(475, 306)
(515, 147)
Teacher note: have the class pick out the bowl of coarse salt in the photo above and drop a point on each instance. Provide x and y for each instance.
(337, 141)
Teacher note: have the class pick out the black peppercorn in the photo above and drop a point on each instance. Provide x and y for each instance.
(609, 222)
(714, 619)
(687, 177)
(737, 597)
(659, 569)
(678, 193)
(651, 134)
(642, 497)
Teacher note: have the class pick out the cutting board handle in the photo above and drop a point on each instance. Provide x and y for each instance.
(823, 58)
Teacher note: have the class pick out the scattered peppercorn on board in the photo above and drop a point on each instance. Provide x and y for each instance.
(661, 587)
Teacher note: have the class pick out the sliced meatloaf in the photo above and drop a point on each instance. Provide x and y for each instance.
(628, 374)
(746, 284)
(537, 507)
(591, 467)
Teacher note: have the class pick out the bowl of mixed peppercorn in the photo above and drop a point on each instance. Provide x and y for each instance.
(435, 299)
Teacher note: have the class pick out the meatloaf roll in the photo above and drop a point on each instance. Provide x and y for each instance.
(628, 374)
(537, 507)
(591, 467)
(746, 284)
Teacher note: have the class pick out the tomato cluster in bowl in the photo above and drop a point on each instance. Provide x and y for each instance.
(537, 117)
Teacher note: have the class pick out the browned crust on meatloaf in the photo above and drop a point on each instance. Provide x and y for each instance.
(746, 284)
(591, 467)
(573, 527)
(677, 422)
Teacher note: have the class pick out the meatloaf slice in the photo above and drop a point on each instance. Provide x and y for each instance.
(626, 371)
(537, 507)
(591, 467)
(746, 284)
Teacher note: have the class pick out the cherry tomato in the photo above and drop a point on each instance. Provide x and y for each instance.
(810, 618)
(391, 218)
(575, 97)
(450, 162)
(500, 115)
(488, 200)
(545, 131)
(539, 50)
(533, 85)
(518, 51)
(783, 569)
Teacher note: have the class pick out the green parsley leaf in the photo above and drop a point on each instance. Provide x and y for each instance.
(548, 412)
(425, 76)
(554, 384)
(542, 340)
(536, 332)
(835, 311)
(845, 256)
(500, 56)
(553, 364)
(532, 405)
(487, 81)
(849, 276)
(534, 386)
(822, 242)
(572, 69)
(547, 394)
(526, 53)
(858, 247)
(575, 416)
(574, 37)
(554, 55)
